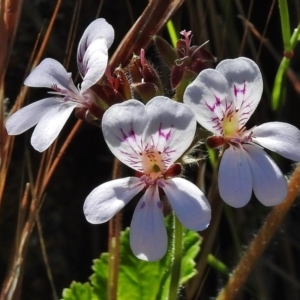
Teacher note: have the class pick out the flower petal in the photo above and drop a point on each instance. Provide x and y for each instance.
(109, 198)
(208, 97)
(30, 115)
(235, 181)
(98, 29)
(279, 137)
(189, 203)
(269, 184)
(148, 234)
(171, 128)
(246, 85)
(50, 73)
(123, 126)
(50, 125)
(94, 63)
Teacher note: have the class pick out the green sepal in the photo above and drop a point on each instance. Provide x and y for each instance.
(167, 53)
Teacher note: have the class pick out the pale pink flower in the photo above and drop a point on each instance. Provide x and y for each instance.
(223, 100)
(149, 139)
(50, 114)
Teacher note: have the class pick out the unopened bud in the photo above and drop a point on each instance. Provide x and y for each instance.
(124, 86)
(146, 90)
(107, 94)
(151, 76)
(135, 69)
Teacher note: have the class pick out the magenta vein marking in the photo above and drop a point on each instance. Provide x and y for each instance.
(211, 108)
(237, 90)
(131, 134)
(218, 101)
(163, 134)
(227, 107)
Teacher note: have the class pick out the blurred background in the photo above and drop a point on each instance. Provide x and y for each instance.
(234, 28)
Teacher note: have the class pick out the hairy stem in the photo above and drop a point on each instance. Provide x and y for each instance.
(114, 243)
(177, 256)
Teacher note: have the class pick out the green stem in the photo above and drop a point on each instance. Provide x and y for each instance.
(177, 256)
(172, 32)
(277, 93)
(285, 25)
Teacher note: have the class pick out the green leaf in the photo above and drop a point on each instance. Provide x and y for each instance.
(79, 291)
(138, 279)
(191, 243)
(143, 278)
(99, 279)
(151, 280)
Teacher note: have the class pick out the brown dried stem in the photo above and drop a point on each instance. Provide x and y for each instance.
(6, 142)
(153, 18)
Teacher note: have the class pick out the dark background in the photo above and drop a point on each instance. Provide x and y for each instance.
(71, 242)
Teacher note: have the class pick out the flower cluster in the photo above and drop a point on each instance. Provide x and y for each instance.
(51, 114)
(151, 137)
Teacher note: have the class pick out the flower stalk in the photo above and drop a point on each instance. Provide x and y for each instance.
(177, 256)
(114, 243)
(261, 240)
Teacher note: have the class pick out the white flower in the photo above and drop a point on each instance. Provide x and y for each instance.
(50, 114)
(149, 139)
(223, 100)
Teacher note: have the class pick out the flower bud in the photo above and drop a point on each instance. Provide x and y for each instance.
(146, 90)
(124, 86)
(107, 94)
(151, 76)
(135, 69)
(145, 80)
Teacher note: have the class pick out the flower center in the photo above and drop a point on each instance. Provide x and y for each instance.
(240, 136)
(82, 99)
(152, 163)
(230, 123)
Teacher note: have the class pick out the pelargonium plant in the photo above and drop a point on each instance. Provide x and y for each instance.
(50, 114)
(223, 100)
(149, 139)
